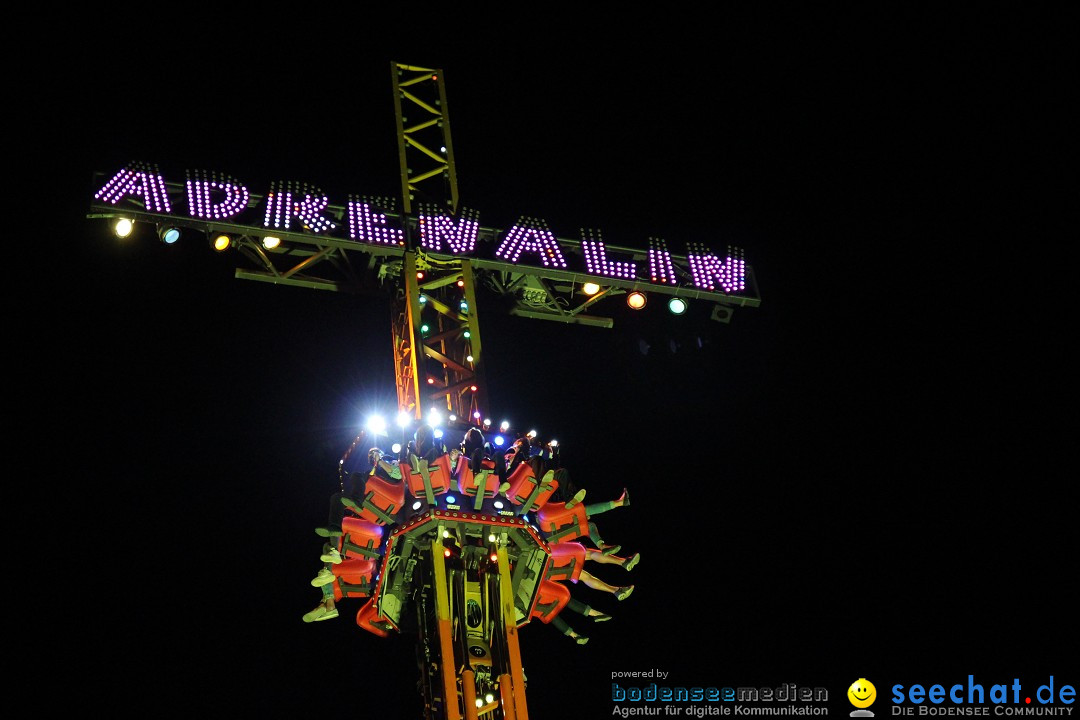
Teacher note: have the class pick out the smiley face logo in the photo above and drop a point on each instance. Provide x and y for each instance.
(862, 693)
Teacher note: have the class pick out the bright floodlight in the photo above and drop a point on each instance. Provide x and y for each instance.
(677, 306)
(531, 433)
(499, 440)
(403, 419)
(476, 414)
(487, 422)
(396, 448)
(635, 300)
(416, 505)
(270, 242)
(554, 443)
(498, 504)
(169, 235)
(438, 433)
(377, 425)
(504, 425)
(434, 417)
(590, 288)
(123, 227)
(453, 417)
(222, 242)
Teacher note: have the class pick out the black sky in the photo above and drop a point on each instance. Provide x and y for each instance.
(860, 478)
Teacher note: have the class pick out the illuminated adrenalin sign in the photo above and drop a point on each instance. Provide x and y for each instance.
(298, 207)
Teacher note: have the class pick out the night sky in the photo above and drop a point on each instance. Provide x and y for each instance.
(860, 478)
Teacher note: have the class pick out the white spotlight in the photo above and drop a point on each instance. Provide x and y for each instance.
(377, 425)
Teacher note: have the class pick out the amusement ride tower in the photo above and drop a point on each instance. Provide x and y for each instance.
(463, 556)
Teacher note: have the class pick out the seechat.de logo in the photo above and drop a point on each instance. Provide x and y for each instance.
(975, 698)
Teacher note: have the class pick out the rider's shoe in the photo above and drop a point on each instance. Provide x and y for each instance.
(330, 610)
(315, 614)
(325, 577)
(331, 556)
(578, 497)
(629, 564)
(624, 592)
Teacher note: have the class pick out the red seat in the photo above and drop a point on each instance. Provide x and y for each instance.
(567, 561)
(353, 578)
(527, 491)
(382, 499)
(562, 524)
(551, 599)
(426, 480)
(360, 538)
(468, 483)
(368, 618)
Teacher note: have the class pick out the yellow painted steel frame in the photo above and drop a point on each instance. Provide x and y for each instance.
(436, 124)
(442, 344)
(447, 661)
(405, 328)
(509, 616)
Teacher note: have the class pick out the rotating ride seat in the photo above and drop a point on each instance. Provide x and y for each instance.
(352, 578)
(360, 538)
(480, 485)
(551, 598)
(426, 480)
(567, 562)
(382, 500)
(527, 491)
(368, 618)
(561, 524)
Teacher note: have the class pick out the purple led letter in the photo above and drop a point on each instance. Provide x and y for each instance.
(436, 227)
(203, 187)
(596, 261)
(531, 235)
(709, 271)
(141, 180)
(282, 207)
(661, 269)
(368, 226)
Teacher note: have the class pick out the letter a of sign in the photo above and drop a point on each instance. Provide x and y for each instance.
(139, 180)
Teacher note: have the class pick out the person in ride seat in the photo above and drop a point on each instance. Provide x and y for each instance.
(569, 494)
